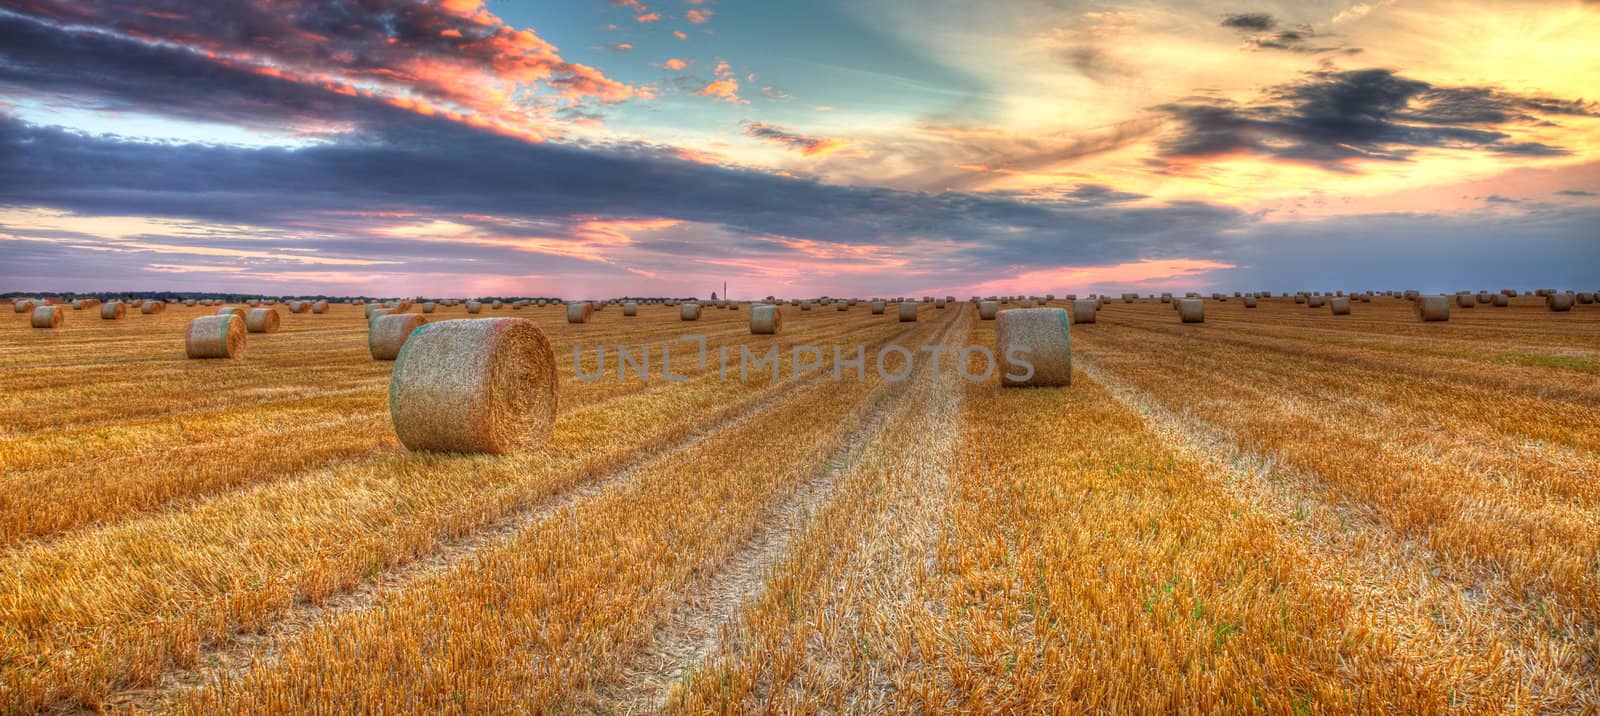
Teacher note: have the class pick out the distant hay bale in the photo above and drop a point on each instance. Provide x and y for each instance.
(375, 310)
(113, 310)
(427, 306)
(47, 317)
(631, 308)
(1465, 300)
(1559, 301)
(689, 312)
(580, 312)
(219, 336)
(1501, 300)
(1300, 298)
(152, 307)
(497, 305)
(1316, 301)
(1191, 310)
(189, 302)
(938, 303)
(1083, 310)
(483, 385)
(23, 305)
(1433, 308)
(841, 305)
(1340, 306)
(319, 307)
(387, 334)
(261, 320)
(299, 306)
(878, 307)
(987, 310)
(231, 311)
(908, 311)
(1483, 297)
(1249, 301)
(805, 305)
(1129, 297)
(474, 307)
(1026, 303)
(765, 320)
(1046, 336)
(1584, 298)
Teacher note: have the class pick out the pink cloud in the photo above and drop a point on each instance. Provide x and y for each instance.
(698, 16)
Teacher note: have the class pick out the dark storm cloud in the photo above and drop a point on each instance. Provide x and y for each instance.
(1576, 192)
(1254, 21)
(1331, 117)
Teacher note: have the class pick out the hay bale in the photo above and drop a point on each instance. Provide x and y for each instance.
(231, 311)
(1433, 308)
(689, 312)
(842, 305)
(631, 308)
(497, 305)
(1559, 301)
(1191, 310)
(1249, 301)
(1083, 310)
(765, 320)
(938, 303)
(805, 305)
(987, 310)
(1026, 303)
(387, 334)
(1340, 306)
(878, 307)
(478, 385)
(299, 306)
(219, 336)
(24, 305)
(1500, 300)
(152, 307)
(1465, 300)
(47, 317)
(1046, 336)
(474, 307)
(113, 310)
(374, 310)
(579, 312)
(261, 320)
(1483, 297)
(319, 307)
(908, 312)
(1584, 298)
(427, 306)
(1316, 301)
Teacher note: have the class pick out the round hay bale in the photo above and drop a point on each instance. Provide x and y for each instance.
(1040, 337)
(497, 305)
(987, 310)
(1191, 310)
(580, 312)
(1339, 306)
(878, 307)
(428, 306)
(1500, 300)
(151, 307)
(1465, 300)
(261, 320)
(47, 317)
(219, 336)
(631, 308)
(231, 311)
(841, 305)
(478, 385)
(765, 320)
(1083, 310)
(1584, 298)
(938, 303)
(1316, 301)
(908, 312)
(387, 334)
(1433, 308)
(1249, 301)
(689, 312)
(1559, 302)
(375, 310)
(474, 307)
(319, 307)
(1026, 303)
(805, 305)
(113, 311)
(23, 305)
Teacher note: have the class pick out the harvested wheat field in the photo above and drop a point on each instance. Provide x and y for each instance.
(1307, 513)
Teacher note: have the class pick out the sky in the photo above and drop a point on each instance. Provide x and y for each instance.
(593, 148)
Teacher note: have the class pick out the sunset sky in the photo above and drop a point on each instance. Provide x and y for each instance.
(588, 148)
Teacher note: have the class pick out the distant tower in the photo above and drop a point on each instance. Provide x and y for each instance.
(724, 289)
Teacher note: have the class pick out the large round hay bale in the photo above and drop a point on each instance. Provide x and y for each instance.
(841, 305)
(261, 320)
(152, 307)
(878, 307)
(689, 312)
(476, 385)
(908, 312)
(1316, 301)
(231, 311)
(987, 310)
(319, 307)
(497, 305)
(474, 307)
(1559, 301)
(580, 312)
(113, 310)
(1036, 337)
(1249, 301)
(299, 306)
(1340, 306)
(1083, 310)
(1465, 300)
(1191, 310)
(219, 336)
(1500, 300)
(23, 305)
(428, 306)
(630, 308)
(765, 320)
(387, 334)
(47, 317)
(1584, 298)
(1433, 308)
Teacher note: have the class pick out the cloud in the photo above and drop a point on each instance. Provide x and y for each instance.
(675, 64)
(725, 90)
(1576, 192)
(698, 16)
(1256, 21)
(775, 94)
(1333, 119)
(808, 146)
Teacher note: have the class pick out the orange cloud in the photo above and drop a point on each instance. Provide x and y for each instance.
(648, 17)
(680, 35)
(698, 16)
(808, 146)
(1146, 274)
(725, 90)
(675, 64)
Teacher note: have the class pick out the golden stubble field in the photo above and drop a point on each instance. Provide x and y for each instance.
(1276, 510)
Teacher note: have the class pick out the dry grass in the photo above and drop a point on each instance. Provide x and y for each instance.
(1303, 513)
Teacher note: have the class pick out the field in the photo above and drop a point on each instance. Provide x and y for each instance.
(1276, 510)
